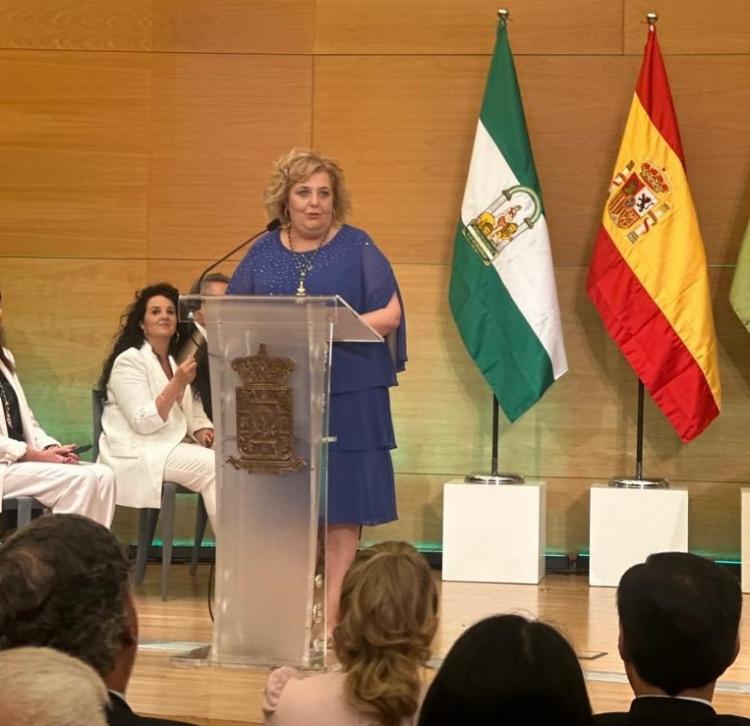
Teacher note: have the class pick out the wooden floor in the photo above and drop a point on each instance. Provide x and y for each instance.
(212, 696)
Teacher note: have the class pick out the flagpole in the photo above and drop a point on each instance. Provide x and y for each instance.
(638, 482)
(495, 476)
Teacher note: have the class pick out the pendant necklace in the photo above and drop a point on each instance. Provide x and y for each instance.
(304, 265)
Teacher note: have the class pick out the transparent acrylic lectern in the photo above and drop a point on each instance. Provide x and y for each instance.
(270, 368)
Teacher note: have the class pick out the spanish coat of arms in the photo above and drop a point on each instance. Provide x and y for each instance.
(639, 198)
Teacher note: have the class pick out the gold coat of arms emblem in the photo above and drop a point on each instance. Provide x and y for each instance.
(265, 415)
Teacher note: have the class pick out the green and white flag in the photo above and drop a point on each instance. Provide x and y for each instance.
(739, 295)
(502, 291)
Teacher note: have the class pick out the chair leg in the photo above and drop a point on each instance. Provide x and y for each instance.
(146, 528)
(201, 518)
(168, 499)
(24, 511)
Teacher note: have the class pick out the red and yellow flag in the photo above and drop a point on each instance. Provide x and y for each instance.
(648, 276)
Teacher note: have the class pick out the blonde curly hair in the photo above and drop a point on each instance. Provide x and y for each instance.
(388, 611)
(296, 166)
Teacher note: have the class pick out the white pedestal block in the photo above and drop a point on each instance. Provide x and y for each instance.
(494, 533)
(745, 554)
(627, 525)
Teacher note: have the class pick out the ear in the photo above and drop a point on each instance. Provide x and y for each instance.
(736, 649)
(621, 647)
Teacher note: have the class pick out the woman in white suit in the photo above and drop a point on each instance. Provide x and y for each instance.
(153, 426)
(33, 464)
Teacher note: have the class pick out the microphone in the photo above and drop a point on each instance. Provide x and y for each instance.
(270, 227)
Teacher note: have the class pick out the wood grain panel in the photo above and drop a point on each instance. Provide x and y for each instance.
(406, 151)
(690, 26)
(584, 426)
(76, 24)
(74, 135)
(712, 99)
(60, 316)
(446, 27)
(218, 121)
(713, 524)
(233, 26)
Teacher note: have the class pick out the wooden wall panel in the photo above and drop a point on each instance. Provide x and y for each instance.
(712, 98)
(59, 317)
(412, 153)
(76, 24)
(713, 520)
(74, 135)
(585, 424)
(404, 149)
(689, 26)
(218, 121)
(233, 26)
(447, 27)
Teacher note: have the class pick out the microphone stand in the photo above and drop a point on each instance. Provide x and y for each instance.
(192, 346)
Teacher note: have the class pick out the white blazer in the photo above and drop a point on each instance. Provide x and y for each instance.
(36, 437)
(135, 442)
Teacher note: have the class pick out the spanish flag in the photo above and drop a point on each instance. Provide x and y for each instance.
(647, 276)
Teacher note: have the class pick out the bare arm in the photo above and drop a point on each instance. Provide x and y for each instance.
(387, 319)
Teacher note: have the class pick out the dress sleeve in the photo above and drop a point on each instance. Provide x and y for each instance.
(241, 282)
(379, 285)
(275, 687)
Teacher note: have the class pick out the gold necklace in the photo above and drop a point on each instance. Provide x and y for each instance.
(304, 266)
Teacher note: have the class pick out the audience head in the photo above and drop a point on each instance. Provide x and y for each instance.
(508, 670)
(297, 166)
(134, 324)
(64, 585)
(387, 620)
(43, 687)
(679, 621)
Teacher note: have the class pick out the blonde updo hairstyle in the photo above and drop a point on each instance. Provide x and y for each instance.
(388, 618)
(293, 168)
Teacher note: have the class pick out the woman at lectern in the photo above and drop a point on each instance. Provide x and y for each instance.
(153, 425)
(314, 252)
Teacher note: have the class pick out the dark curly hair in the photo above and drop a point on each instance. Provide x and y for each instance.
(130, 334)
(63, 584)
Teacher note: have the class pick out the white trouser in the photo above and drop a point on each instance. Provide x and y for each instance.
(87, 489)
(194, 467)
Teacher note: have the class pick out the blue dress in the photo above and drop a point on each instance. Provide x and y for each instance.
(360, 471)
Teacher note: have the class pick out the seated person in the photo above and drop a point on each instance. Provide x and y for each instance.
(153, 426)
(679, 631)
(33, 464)
(388, 618)
(64, 585)
(508, 670)
(43, 687)
(214, 283)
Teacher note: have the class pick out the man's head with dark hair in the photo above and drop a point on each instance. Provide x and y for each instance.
(214, 283)
(679, 621)
(64, 585)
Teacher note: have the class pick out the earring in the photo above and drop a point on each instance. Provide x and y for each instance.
(177, 337)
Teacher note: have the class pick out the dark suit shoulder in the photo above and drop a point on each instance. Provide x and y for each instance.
(120, 714)
(610, 719)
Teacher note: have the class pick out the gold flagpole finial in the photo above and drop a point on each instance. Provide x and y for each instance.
(651, 19)
(503, 14)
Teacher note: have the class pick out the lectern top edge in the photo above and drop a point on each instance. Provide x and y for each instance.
(348, 326)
